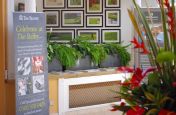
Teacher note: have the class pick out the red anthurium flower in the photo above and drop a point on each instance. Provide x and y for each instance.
(136, 111)
(174, 84)
(136, 43)
(125, 69)
(166, 112)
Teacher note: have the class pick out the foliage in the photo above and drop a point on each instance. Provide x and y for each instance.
(152, 92)
(95, 51)
(66, 55)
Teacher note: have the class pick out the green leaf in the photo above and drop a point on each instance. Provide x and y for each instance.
(149, 96)
(162, 101)
(165, 56)
(152, 112)
(153, 79)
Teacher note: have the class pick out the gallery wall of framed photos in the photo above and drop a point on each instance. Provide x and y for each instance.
(99, 21)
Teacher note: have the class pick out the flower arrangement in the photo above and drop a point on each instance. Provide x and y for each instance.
(152, 92)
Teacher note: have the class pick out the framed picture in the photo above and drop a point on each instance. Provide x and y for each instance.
(72, 18)
(112, 3)
(52, 18)
(61, 35)
(75, 3)
(109, 35)
(53, 4)
(112, 18)
(91, 35)
(21, 7)
(94, 6)
(94, 21)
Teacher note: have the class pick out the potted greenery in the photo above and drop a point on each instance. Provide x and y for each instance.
(67, 55)
(117, 55)
(92, 54)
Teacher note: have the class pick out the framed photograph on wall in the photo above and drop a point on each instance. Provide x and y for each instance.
(52, 18)
(112, 18)
(75, 3)
(111, 35)
(94, 6)
(112, 3)
(72, 18)
(94, 21)
(61, 35)
(53, 4)
(91, 35)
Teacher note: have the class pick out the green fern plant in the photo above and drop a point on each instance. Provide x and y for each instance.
(66, 54)
(96, 52)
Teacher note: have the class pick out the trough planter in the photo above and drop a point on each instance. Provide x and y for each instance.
(111, 61)
(83, 64)
(55, 65)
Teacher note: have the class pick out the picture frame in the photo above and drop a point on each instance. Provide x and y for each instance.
(72, 18)
(61, 35)
(53, 4)
(75, 3)
(92, 35)
(112, 18)
(111, 35)
(94, 21)
(112, 3)
(52, 18)
(92, 7)
(21, 7)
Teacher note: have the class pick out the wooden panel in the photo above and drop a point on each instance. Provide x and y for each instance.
(53, 95)
(10, 98)
(2, 57)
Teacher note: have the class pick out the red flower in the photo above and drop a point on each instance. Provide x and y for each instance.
(148, 70)
(174, 84)
(166, 3)
(125, 69)
(136, 43)
(166, 112)
(122, 104)
(136, 78)
(145, 51)
(140, 45)
(136, 111)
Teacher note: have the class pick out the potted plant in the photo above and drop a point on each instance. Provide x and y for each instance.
(92, 54)
(67, 55)
(117, 55)
(152, 92)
